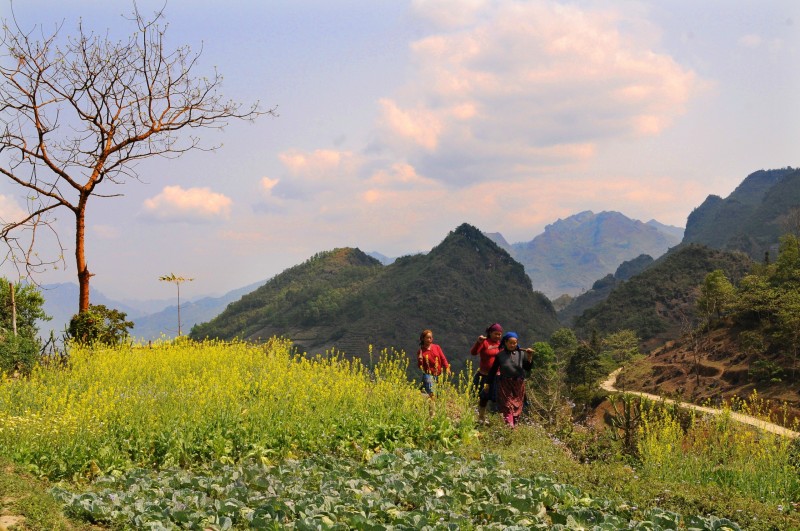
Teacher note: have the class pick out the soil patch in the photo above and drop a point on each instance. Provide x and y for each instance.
(9, 520)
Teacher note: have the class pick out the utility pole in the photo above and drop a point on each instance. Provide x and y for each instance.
(177, 280)
(13, 308)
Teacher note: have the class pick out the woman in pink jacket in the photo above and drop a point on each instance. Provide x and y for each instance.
(486, 348)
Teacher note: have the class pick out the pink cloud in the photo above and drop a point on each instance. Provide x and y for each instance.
(518, 78)
(175, 203)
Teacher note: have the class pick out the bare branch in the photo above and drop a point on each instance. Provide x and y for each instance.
(81, 110)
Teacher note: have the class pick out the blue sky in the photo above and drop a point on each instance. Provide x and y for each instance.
(400, 120)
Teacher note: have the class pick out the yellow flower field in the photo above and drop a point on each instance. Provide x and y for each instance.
(184, 403)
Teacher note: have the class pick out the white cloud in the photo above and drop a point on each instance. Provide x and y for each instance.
(175, 203)
(308, 174)
(533, 84)
(420, 126)
(10, 211)
(318, 164)
(268, 184)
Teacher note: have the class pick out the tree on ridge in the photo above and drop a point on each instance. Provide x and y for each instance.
(82, 111)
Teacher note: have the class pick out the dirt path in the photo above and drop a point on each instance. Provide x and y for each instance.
(608, 385)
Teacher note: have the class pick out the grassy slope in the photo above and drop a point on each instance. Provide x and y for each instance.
(529, 450)
(25, 503)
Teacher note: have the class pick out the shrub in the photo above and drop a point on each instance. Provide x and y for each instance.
(99, 324)
(18, 354)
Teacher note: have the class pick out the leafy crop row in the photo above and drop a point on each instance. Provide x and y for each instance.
(404, 489)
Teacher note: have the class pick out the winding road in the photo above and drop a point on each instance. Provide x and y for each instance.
(608, 385)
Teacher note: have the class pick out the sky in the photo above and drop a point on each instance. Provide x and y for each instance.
(397, 121)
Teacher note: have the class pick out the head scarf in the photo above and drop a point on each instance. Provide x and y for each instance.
(494, 328)
(509, 335)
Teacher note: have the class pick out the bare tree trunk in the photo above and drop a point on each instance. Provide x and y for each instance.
(80, 256)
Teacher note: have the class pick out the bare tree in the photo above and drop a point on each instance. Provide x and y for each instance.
(80, 112)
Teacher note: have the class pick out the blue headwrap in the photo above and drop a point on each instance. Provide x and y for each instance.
(509, 335)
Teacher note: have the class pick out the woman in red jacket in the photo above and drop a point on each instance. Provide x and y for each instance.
(486, 348)
(431, 361)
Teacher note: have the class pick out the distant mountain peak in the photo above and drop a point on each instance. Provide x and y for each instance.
(574, 252)
(469, 231)
(751, 218)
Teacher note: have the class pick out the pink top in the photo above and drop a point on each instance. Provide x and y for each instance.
(487, 350)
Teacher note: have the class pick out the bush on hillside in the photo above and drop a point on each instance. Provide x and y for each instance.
(18, 354)
(99, 325)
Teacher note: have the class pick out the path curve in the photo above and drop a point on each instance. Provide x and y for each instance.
(608, 385)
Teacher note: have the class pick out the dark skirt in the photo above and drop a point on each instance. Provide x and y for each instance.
(511, 396)
(479, 381)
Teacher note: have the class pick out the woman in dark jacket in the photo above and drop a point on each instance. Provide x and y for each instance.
(508, 373)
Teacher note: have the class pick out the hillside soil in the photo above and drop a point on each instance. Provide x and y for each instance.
(711, 369)
(610, 383)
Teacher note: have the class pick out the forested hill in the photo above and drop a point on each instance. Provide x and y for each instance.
(660, 302)
(348, 300)
(753, 217)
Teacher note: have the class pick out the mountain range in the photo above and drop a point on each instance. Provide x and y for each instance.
(152, 318)
(572, 253)
(348, 301)
(582, 254)
(574, 246)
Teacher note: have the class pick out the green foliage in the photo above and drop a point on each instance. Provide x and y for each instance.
(547, 384)
(546, 389)
(584, 366)
(717, 294)
(765, 371)
(655, 303)
(99, 325)
(408, 489)
(756, 300)
(626, 421)
(620, 347)
(564, 343)
(20, 353)
(29, 303)
(768, 304)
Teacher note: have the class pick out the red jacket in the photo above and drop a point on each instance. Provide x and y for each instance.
(432, 361)
(487, 350)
